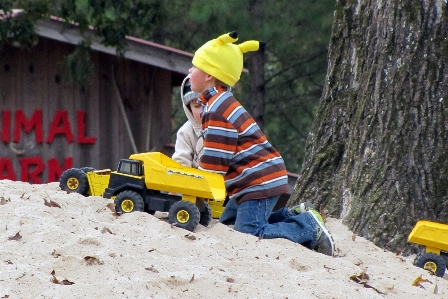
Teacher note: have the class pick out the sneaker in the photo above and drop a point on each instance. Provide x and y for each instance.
(325, 243)
(302, 208)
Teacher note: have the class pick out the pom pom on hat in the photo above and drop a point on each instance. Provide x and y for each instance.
(223, 59)
(186, 94)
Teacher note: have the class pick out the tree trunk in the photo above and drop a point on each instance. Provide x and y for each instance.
(256, 91)
(256, 64)
(377, 152)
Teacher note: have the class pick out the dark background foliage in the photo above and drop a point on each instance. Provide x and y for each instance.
(297, 33)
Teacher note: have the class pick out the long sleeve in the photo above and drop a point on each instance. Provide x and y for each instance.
(184, 148)
(235, 147)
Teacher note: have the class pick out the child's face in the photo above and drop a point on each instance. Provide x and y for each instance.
(196, 110)
(199, 80)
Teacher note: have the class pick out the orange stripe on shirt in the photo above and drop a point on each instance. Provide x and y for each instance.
(230, 109)
(248, 144)
(219, 123)
(262, 179)
(223, 146)
(245, 125)
(255, 162)
(270, 176)
(214, 167)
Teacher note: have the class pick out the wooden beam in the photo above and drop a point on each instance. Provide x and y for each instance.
(138, 50)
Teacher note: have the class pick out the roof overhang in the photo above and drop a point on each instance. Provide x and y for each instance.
(137, 49)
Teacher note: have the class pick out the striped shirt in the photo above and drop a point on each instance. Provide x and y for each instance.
(235, 147)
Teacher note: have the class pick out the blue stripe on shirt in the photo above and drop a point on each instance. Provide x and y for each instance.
(215, 105)
(259, 167)
(252, 150)
(221, 132)
(218, 153)
(260, 187)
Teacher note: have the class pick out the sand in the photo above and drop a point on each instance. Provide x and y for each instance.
(59, 245)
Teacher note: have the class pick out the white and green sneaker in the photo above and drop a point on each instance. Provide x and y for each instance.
(302, 208)
(325, 242)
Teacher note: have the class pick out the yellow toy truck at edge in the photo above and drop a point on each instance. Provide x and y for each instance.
(434, 236)
(153, 182)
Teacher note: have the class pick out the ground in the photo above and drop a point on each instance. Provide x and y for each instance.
(59, 245)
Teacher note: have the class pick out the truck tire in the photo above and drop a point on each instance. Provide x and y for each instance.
(184, 214)
(87, 169)
(129, 201)
(205, 213)
(74, 180)
(432, 262)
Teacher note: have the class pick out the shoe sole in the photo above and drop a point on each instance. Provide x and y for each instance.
(333, 247)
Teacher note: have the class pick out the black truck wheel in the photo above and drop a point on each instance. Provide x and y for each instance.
(184, 214)
(205, 212)
(87, 169)
(73, 180)
(129, 201)
(432, 262)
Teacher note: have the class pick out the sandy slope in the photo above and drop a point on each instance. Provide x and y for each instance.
(83, 250)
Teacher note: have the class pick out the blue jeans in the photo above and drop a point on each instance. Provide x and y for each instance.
(255, 217)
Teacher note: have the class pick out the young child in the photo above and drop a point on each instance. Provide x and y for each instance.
(234, 146)
(189, 142)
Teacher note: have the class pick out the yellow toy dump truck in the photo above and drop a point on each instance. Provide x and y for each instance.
(434, 236)
(153, 182)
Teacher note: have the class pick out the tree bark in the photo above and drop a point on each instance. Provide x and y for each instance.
(377, 153)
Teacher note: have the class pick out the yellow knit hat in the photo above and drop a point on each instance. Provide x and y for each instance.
(222, 59)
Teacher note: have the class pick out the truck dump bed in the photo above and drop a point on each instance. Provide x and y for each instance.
(433, 235)
(163, 173)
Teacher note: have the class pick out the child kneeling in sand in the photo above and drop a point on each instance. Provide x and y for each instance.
(234, 146)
